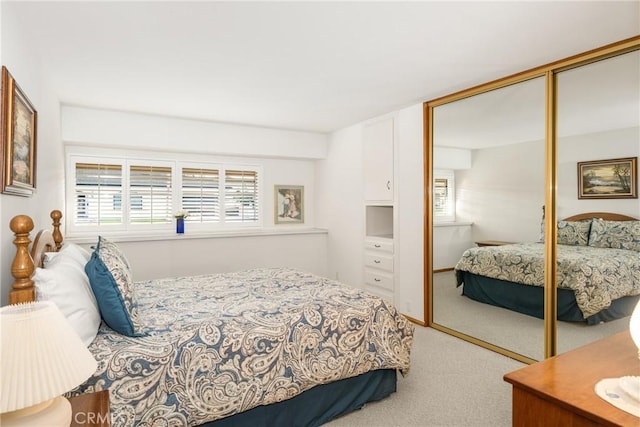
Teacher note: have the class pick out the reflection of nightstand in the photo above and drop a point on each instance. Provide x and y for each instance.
(91, 409)
(492, 243)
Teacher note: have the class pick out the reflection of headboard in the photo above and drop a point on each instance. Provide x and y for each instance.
(603, 215)
(24, 263)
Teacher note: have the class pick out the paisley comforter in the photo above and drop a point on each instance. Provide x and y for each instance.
(597, 276)
(217, 345)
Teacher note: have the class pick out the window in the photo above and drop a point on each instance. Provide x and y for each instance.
(128, 194)
(150, 194)
(444, 196)
(241, 196)
(97, 188)
(201, 194)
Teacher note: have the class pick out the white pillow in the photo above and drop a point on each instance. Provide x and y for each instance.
(48, 256)
(65, 283)
(79, 253)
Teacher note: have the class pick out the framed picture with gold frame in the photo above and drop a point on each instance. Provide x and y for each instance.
(608, 179)
(18, 137)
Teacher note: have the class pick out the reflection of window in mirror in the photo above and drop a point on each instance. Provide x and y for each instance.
(444, 196)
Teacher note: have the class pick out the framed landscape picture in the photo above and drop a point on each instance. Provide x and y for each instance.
(608, 179)
(289, 204)
(18, 123)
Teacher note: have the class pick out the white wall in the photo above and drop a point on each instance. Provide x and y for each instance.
(341, 208)
(288, 158)
(451, 158)
(186, 256)
(23, 64)
(449, 242)
(410, 212)
(3, 279)
(503, 193)
(120, 129)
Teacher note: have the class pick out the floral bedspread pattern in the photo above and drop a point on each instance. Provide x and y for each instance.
(596, 275)
(217, 345)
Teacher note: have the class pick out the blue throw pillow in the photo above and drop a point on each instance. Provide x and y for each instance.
(112, 283)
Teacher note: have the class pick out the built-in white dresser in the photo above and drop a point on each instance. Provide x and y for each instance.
(379, 204)
(378, 266)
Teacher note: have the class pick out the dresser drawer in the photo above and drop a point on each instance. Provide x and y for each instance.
(378, 279)
(385, 245)
(378, 260)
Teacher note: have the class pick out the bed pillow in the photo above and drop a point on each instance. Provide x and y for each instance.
(112, 283)
(615, 234)
(65, 283)
(575, 233)
(79, 253)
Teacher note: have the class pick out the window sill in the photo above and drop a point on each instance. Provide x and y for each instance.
(146, 237)
(452, 224)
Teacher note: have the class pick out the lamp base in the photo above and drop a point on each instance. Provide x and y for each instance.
(52, 413)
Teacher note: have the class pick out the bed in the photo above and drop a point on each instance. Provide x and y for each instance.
(598, 270)
(260, 347)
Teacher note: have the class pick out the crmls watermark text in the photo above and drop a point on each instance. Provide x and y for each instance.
(90, 418)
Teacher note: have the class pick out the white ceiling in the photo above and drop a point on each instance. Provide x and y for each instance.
(596, 97)
(315, 66)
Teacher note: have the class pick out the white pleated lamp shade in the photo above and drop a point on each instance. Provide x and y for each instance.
(42, 357)
(634, 326)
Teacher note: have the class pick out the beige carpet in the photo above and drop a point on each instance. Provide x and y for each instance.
(451, 383)
(508, 329)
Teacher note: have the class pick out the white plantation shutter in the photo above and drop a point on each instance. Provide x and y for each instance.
(143, 194)
(440, 196)
(444, 208)
(150, 194)
(241, 196)
(98, 194)
(201, 194)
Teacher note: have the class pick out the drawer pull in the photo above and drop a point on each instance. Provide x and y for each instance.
(377, 261)
(375, 279)
(376, 245)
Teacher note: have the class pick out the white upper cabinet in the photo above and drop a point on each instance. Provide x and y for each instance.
(378, 161)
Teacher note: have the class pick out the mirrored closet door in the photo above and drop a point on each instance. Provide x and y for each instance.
(488, 174)
(497, 157)
(598, 135)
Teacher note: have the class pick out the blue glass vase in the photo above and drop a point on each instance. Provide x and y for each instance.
(180, 225)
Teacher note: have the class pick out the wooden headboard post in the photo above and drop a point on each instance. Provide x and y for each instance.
(56, 215)
(22, 267)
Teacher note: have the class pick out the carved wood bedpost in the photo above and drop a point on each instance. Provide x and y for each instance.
(56, 215)
(22, 266)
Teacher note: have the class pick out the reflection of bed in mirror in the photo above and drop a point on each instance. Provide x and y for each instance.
(598, 273)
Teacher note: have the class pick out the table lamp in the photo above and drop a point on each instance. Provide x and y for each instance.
(42, 357)
(634, 326)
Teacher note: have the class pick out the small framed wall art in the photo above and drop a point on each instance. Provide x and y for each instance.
(289, 204)
(18, 137)
(608, 179)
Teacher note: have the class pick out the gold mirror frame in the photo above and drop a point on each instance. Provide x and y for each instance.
(549, 72)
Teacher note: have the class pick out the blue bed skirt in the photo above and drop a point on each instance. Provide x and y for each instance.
(530, 299)
(318, 405)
